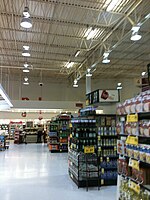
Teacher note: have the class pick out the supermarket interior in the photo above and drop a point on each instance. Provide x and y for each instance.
(75, 99)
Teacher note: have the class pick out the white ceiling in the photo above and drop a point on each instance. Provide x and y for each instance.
(58, 32)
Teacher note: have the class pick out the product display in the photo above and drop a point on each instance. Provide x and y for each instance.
(140, 103)
(134, 150)
(58, 132)
(107, 151)
(2, 142)
(13, 126)
(84, 169)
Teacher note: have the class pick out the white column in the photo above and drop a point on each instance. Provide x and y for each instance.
(88, 84)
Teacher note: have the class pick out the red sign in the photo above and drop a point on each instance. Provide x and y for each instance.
(79, 105)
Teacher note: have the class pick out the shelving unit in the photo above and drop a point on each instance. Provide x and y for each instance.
(13, 126)
(58, 133)
(107, 151)
(84, 169)
(30, 134)
(134, 158)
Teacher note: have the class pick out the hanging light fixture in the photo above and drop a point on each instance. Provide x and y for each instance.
(75, 83)
(135, 33)
(105, 57)
(26, 81)
(26, 69)
(89, 74)
(25, 51)
(26, 20)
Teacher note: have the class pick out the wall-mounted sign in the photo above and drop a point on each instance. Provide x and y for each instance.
(102, 96)
(108, 96)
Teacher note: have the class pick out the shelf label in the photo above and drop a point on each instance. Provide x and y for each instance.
(132, 118)
(89, 149)
(134, 186)
(132, 140)
(134, 164)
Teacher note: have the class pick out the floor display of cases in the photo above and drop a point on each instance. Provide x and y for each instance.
(107, 148)
(30, 135)
(134, 160)
(58, 133)
(84, 169)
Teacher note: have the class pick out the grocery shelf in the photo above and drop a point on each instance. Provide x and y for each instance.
(147, 187)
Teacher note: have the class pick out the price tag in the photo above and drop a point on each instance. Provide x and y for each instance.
(134, 164)
(132, 118)
(134, 186)
(89, 149)
(132, 140)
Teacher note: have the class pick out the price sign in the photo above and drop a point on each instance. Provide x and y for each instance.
(132, 118)
(89, 149)
(134, 186)
(134, 164)
(132, 140)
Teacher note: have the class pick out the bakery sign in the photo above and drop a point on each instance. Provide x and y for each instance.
(108, 96)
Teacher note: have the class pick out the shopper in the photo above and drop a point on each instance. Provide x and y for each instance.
(39, 135)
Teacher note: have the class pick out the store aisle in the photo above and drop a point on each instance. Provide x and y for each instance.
(30, 172)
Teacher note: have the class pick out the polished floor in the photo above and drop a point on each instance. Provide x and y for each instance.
(29, 172)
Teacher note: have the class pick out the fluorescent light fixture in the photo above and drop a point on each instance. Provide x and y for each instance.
(26, 22)
(143, 73)
(113, 4)
(105, 61)
(26, 12)
(119, 84)
(119, 87)
(26, 53)
(88, 70)
(147, 16)
(77, 53)
(75, 85)
(5, 96)
(135, 36)
(92, 34)
(89, 75)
